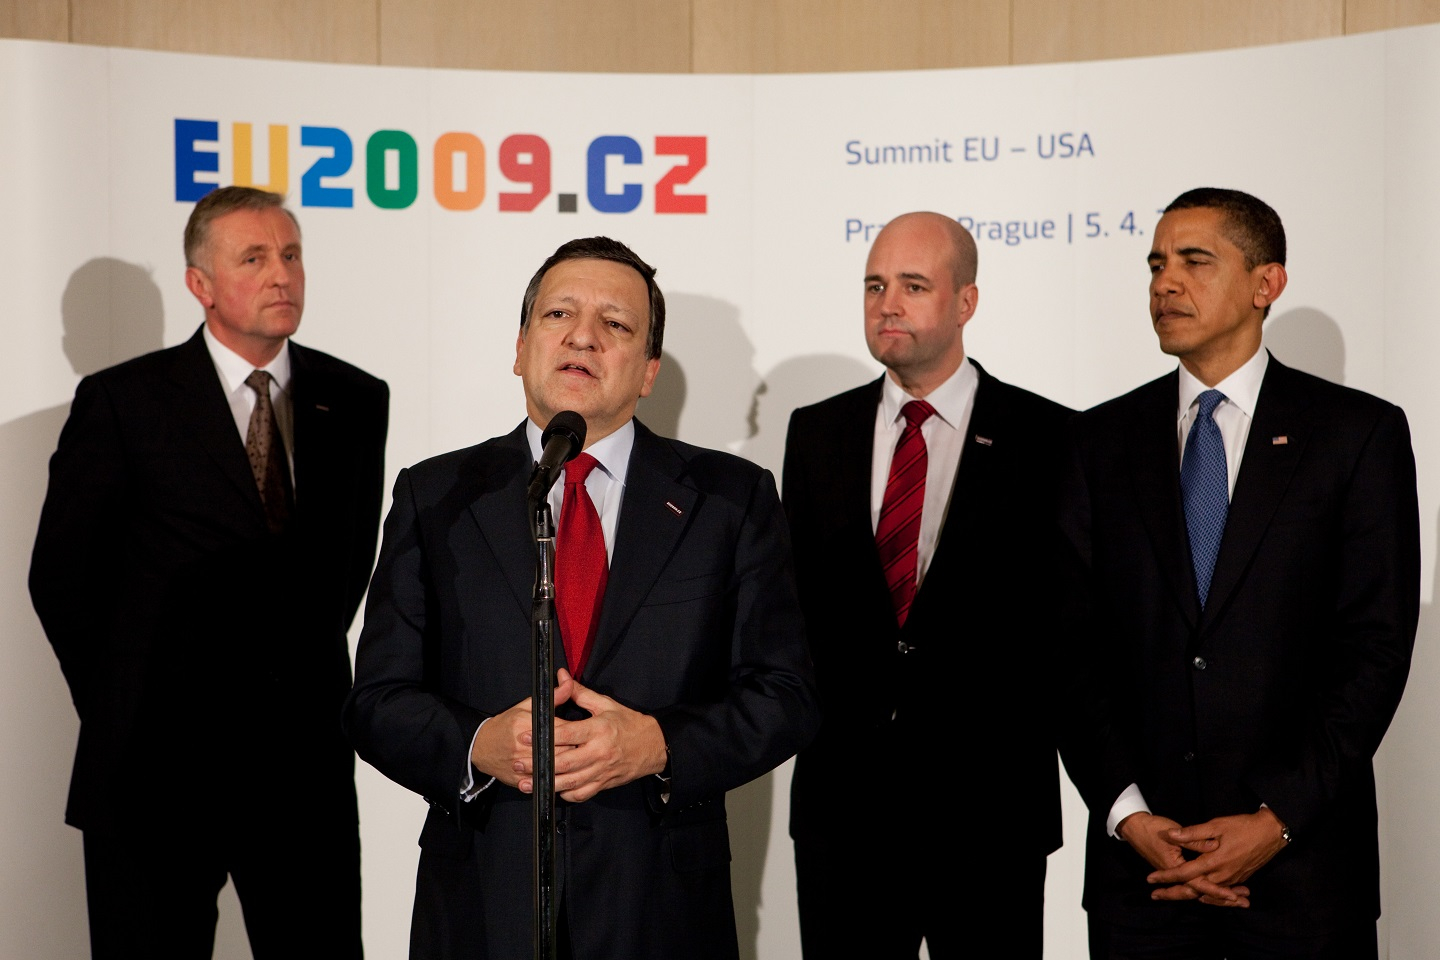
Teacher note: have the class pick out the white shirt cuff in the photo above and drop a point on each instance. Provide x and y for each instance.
(469, 789)
(1130, 801)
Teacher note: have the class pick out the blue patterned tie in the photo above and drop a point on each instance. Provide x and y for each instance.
(1205, 489)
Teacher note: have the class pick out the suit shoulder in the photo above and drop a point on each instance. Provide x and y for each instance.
(344, 374)
(1022, 403)
(143, 369)
(841, 408)
(713, 467)
(1129, 405)
(1337, 399)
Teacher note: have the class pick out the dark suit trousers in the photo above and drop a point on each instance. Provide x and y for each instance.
(151, 892)
(875, 893)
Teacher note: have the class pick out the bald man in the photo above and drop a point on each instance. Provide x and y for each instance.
(922, 511)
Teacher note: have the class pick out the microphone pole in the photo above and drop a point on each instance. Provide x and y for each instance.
(561, 441)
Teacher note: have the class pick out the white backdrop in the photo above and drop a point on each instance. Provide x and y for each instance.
(1060, 171)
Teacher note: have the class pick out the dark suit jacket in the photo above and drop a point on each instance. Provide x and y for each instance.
(1280, 692)
(200, 649)
(699, 628)
(971, 692)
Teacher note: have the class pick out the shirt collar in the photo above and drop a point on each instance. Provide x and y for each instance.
(1241, 388)
(233, 368)
(612, 453)
(949, 399)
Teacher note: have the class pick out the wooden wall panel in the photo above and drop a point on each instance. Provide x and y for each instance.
(1048, 31)
(35, 19)
(625, 36)
(782, 36)
(1363, 15)
(332, 31)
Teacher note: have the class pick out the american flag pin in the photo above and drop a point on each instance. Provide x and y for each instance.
(674, 509)
(1279, 441)
(984, 441)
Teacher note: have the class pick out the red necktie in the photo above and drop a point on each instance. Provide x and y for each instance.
(581, 568)
(897, 535)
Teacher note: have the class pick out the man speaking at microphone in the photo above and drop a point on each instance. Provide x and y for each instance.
(685, 672)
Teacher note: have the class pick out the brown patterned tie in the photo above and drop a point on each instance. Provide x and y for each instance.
(266, 450)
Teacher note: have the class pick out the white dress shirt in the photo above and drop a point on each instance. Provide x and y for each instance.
(944, 435)
(1233, 417)
(233, 369)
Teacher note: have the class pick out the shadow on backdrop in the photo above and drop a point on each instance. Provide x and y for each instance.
(1310, 340)
(110, 310)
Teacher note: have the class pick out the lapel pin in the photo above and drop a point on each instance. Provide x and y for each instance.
(321, 406)
(1279, 441)
(984, 441)
(674, 509)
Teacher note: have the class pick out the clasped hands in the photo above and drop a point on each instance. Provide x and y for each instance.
(1230, 850)
(611, 747)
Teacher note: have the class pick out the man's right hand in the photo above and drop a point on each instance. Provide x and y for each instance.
(502, 747)
(1148, 835)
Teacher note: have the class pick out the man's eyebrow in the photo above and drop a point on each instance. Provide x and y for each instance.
(1156, 255)
(876, 278)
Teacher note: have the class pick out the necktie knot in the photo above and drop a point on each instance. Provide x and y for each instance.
(916, 412)
(259, 381)
(577, 470)
(1209, 400)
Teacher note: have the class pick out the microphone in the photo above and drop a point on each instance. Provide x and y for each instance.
(561, 441)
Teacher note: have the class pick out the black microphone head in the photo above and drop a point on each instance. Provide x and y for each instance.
(566, 423)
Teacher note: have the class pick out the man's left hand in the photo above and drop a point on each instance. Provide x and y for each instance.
(1231, 850)
(610, 748)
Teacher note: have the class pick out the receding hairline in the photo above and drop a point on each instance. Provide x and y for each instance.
(964, 257)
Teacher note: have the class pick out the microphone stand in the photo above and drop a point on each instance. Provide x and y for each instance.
(542, 725)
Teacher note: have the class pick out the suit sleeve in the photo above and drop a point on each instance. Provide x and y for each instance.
(1096, 756)
(770, 710)
(372, 490)
(1367, 659)
(77, 555)
(395, 716)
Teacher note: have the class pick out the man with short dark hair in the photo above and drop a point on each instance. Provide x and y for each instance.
(205, 542)
(1242, 597)
(684, 674)
(923, 510)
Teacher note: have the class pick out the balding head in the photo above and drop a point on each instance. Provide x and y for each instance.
(919, 293)
(962, 256)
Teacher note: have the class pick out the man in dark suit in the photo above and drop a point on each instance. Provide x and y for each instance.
(198, 600)
(685, 669)
(1242, 601)
(930, 639)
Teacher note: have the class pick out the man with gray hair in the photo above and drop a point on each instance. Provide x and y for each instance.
(206, 539)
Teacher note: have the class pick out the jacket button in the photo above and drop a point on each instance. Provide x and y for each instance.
(1189, 755)
(903, 647)
(1200, 663)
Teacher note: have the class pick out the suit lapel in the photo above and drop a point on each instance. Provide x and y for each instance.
(1155, 474)
(973, 478)
(318, 458)
(656, 511)
(1265, 473)
(499, 510)
(204, 413)
(852, 465)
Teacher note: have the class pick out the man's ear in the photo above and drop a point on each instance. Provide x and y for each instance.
(198, 283)
(1271, 279)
